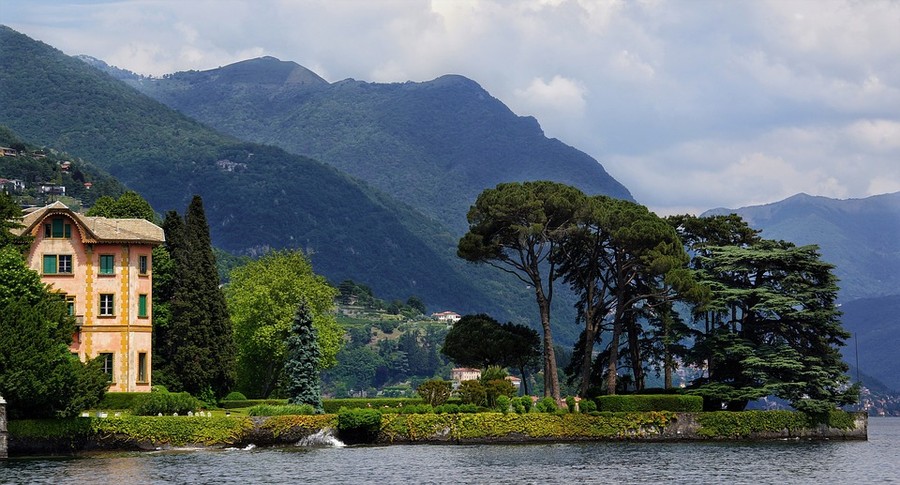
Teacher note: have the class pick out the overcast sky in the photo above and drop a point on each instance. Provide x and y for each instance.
(690, 104)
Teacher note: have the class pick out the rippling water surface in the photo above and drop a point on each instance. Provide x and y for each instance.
(875, 460)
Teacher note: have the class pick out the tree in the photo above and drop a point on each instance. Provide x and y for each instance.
(262, 297)
(196, 347)
(39, 377)
(623, 261)
(301, 365)
(129, 205)
(435, 392)
(771, 324)
(416, 304)
(516, 227)
(10, 217)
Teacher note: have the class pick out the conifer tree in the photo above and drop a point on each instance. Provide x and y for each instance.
(301, 366)
(196, 346)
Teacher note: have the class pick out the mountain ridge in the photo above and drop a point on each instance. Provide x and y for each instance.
(434, 145)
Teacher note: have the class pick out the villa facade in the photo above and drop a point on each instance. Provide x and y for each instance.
(103, 269)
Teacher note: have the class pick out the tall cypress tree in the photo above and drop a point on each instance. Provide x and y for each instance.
(196, 346)
(301, 366)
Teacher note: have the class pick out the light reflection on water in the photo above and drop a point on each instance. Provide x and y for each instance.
(875, 460)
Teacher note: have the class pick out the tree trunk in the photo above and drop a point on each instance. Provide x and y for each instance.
(612, 367)
(637, 368)
(551, 379)
(587, 360)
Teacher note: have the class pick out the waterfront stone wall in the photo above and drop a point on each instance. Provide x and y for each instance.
(4, 450)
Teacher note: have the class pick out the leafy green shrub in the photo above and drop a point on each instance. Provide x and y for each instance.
(281, 410)
(165, 403)
(472, 392)
(495, 388)
(409, 409)
(120, 400)
(447, 409)
(546, 405)
(503, 403)
(587, 406)
(435, 392)
(517, 405)
(654, 402)
(468, 408)
(570, 404)
(235, 396)
(358, 425)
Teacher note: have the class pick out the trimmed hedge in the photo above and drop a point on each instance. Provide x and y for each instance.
(357, 425)
(281, 410)
(165, 403)
(248, 403)
(177, 431)
(632, 403)
(724, 424)
(332, 406)
(120, 400)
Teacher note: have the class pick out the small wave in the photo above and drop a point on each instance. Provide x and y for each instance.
(324, 437)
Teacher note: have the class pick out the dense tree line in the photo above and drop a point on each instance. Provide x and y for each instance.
(757, 317)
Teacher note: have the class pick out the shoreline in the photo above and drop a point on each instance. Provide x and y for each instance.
(85, 435)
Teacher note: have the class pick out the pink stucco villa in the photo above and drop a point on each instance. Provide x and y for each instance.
(103, 268)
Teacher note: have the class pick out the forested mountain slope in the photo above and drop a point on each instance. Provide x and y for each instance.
(256, 197)
(434, 145)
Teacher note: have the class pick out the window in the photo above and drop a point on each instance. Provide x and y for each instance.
(57, 228)
(142, 367)
(57, 264)
(107, 264)
(107, 308)
(70, 305)
(107, 364)
(143, 264)
(142, 306)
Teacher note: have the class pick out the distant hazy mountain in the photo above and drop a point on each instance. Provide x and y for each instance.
(875, 322)
(860, 236)
(256, 197)
(434, 145)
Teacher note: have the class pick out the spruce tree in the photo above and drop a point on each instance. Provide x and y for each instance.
(301, 367)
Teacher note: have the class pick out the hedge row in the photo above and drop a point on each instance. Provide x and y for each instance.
(332, 406)
(724, 424)
(633, 403)
(248, 403)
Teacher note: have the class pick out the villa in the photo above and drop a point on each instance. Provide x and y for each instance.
(102, 267)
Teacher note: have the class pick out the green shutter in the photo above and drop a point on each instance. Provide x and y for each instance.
(106, 264)
(49, 264)
(142, 305)
(68, 231)
(58, 228)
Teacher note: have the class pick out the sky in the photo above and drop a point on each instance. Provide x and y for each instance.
(691, 104)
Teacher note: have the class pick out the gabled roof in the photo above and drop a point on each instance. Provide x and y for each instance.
(96, 229)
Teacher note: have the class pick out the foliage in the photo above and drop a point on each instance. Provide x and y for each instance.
(772, 326)
(334, 405)
(10, 219)
(38, 375)
(235, 396)
(587, 406)
(302, 357)
(472, 392)
(503, 403)
(435, 392)
(652, 402)
(358, 425)
(546, 405)
(263, 297)
(281, 410)
(120, 400)
(495, 389)
(516, 227)
(247, 403)
(165, 403)
(195, 347)
(737, 425)
(129, 205)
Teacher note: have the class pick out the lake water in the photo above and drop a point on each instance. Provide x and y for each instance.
(830, 462)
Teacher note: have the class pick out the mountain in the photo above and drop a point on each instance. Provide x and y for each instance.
(434, 145)
(875, 324)
(860, 236)
(256, 196)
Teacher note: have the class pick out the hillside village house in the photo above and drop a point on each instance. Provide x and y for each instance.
(102, 267)
(448, 317)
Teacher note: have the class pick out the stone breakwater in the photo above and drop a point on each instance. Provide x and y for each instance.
(118, 433)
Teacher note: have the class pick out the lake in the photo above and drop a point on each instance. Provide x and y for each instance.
(875, 460)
